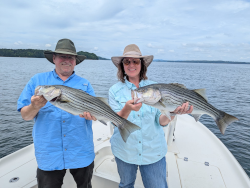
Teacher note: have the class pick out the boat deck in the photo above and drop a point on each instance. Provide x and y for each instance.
(196, 158)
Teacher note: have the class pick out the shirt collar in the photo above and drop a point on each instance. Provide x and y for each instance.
(132, 86)
(56, 75)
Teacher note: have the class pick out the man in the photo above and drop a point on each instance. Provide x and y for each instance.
(62, 141)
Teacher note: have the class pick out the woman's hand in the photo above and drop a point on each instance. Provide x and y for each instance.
(87, 116)
(183, 109)
(131, 106)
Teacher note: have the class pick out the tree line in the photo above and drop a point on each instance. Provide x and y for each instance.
(36, 53)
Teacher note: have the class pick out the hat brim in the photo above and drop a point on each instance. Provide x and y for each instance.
(147, 59)
(49, 56)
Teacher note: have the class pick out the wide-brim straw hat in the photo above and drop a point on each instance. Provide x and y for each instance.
(133, 51)
(64, 46)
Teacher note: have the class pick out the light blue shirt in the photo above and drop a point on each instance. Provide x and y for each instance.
(144, 146)
(61, 140)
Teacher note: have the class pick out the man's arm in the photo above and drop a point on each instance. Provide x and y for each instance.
(30, 111)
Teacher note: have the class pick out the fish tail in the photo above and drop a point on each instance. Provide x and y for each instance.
(224, 120)
(126, 128)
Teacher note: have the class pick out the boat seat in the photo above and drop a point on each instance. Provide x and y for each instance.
(105, 167)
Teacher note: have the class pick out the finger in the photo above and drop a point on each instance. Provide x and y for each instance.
(84, 115)
(130, 101)
(93, 118)
(138, 104)
(88, 116)
(190, 110)
(186, 107)
(183, 107)
(176, 111)
(81, 115)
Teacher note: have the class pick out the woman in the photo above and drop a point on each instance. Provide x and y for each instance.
(146, 147)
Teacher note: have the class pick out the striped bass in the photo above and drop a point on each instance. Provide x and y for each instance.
(76, 102)
(167, 97)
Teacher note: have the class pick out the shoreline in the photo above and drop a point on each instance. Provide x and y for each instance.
(188, 61)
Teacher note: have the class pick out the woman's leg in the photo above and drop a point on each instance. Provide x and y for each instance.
(154, 175)
(127, 173)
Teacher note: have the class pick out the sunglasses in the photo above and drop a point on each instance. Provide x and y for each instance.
(128, 61)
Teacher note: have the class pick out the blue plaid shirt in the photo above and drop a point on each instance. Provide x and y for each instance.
(61, 140)
(144, 146)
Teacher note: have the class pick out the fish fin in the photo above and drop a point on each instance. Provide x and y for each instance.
(196, 116)
(179, 85)
(105, 100)
(201, 92)
(161, 103)
(103, 122)
(166, 113)
(126, 128)
(224, 121)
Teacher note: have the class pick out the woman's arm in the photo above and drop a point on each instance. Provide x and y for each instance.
(129, 106)
(179, 110)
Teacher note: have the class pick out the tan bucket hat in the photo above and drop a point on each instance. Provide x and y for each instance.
(64, 46)
(132, 50)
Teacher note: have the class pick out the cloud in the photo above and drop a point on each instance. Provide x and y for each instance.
(161, 51)
(150, 45)
(234, 6)
(166, 29)
(18, 43)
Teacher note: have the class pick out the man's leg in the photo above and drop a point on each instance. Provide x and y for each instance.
(50, 179)
(154, 175)
(83, 176)
(127, 173)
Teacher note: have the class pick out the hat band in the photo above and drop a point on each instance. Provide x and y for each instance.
(65, 50)
(132, 53)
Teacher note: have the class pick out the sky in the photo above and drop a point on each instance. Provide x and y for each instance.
(167, 29)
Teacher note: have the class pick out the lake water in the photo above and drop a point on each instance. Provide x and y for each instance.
(227, 86)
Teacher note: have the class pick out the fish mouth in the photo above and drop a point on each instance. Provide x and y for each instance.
(54, 99)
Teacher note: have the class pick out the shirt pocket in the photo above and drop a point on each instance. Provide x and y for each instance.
(47, 108)
(48, 112)
(149, 111)
(83, 87)
(121, 100)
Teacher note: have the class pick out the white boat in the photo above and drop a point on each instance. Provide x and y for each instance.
(196, 158)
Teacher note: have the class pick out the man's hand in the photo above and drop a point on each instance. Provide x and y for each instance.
(87, 116)
(183, 109)
(38, 102)
(30, 111)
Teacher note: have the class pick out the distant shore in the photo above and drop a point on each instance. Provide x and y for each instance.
(34, 53)
(202, 61)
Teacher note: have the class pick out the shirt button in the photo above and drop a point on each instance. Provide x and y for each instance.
(65, 149)
(64, 135)
(139, 141)
(138, 115)
(63, 121)
(140, 154)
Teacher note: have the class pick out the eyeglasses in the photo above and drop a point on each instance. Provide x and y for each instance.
(128, 61)
(64, 57)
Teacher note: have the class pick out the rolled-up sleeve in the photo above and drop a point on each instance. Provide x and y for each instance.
(157, 117)
(25, 97)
